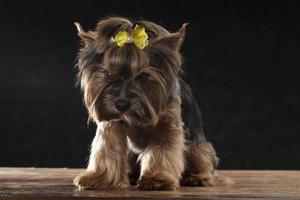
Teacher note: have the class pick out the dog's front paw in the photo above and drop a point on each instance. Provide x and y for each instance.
(94, 180)
(156, 183)
(197, 181)
(88, 180)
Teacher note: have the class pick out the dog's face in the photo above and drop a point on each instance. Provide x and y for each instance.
(127, 83)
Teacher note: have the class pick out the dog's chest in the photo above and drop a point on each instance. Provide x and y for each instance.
(139, 139)
(137, 143)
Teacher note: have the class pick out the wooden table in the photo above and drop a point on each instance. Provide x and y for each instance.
(44, 183)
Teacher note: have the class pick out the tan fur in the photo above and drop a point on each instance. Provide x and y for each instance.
(162, 162)
(107, 166)
(201, 162)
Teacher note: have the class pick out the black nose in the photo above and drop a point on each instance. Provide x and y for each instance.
(122, 105)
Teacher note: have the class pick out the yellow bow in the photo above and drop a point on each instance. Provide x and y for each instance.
(138, 36)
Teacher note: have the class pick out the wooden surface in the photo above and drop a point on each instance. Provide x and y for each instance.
(38, 184)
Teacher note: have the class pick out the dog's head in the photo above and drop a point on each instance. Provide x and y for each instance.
(127, 82)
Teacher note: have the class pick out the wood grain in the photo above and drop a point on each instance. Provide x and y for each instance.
(56, 184)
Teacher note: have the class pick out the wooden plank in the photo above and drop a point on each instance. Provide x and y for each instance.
(56, 184)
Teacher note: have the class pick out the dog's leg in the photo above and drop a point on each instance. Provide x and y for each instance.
(201, 161)
(162, 164)
(107, 163)
(133, 167)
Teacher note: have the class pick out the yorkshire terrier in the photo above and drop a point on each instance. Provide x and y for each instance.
(149, 128)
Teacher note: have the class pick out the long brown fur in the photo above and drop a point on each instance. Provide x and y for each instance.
(152, 128)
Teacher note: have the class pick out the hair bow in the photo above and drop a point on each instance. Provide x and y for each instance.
(138, 36)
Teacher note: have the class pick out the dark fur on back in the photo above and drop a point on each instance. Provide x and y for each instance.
(191, 115)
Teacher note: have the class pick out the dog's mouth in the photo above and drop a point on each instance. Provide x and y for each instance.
(134, 119)
(129, 117)
(140, 113)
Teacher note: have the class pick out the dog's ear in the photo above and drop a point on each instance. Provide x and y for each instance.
(172, 41)
(86, 37)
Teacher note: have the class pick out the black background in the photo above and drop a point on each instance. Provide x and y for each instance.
(241, 59)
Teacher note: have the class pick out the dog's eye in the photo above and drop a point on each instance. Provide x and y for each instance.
(108, 75)
(142, 78)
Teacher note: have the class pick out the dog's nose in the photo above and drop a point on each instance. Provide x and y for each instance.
(122, 105)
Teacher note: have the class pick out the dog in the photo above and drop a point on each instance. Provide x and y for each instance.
(149, 127)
